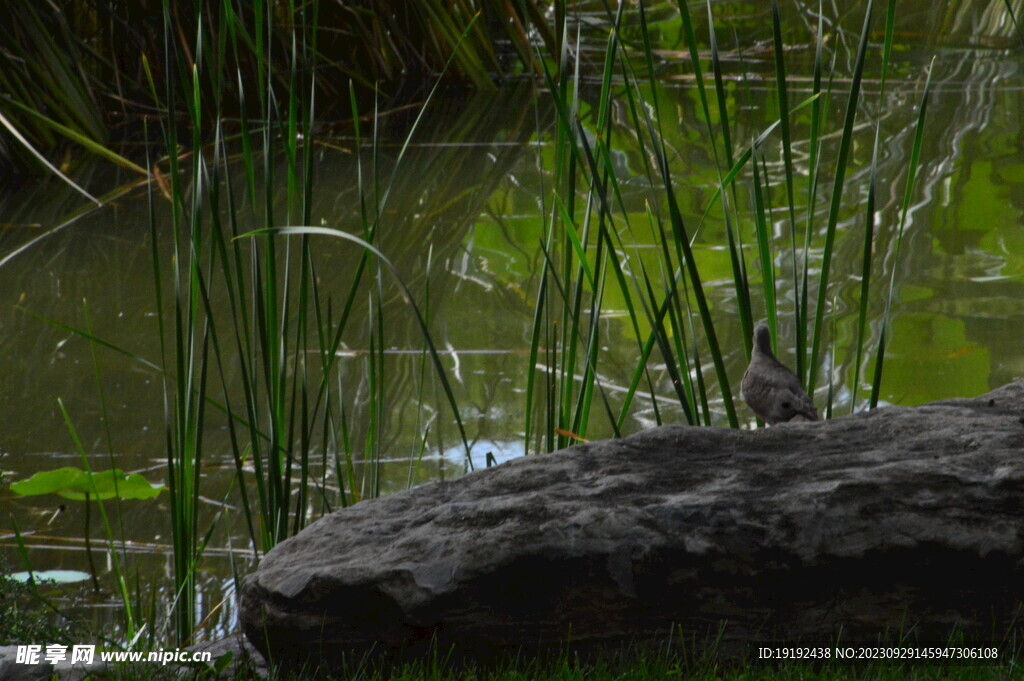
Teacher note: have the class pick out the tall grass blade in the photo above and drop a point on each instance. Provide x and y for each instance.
(42, 159)
(845, 144)
(764, 246)
(116, 563)
(865, 275)
(869, 215)
(915, 157)
(814, 147)
(736, 257)
(740, 283)
(1013, 20)
(84, 141)
(781, 90)
(406, 295)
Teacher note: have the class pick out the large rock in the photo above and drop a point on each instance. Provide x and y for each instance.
(900, 519)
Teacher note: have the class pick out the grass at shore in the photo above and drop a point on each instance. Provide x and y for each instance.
(26, 619)
(634, 668)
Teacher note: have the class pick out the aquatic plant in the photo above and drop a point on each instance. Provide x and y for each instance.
(587, 253)
(79, 74)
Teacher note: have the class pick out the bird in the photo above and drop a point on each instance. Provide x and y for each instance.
(771, 390)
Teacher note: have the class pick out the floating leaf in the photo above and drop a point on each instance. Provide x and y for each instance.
(74, 483)
(58, 576)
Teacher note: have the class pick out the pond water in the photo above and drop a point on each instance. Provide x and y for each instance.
(463, 223)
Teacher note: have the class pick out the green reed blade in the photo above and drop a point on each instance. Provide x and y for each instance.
(1013, 20)
(117, 564)
(589, 358)
(865, 274)
(908, 192)
(832, 363)
(764, 249)
(802, 288)
(86, 142)
(740, 284)
(787, 151)
(406, 295)
(869, 215)
(669, 358)
(16, 134)
(845, 144)
(744, 158)
(704, 310)
(736, 258)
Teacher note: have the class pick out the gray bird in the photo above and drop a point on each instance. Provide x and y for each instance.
(769, 388)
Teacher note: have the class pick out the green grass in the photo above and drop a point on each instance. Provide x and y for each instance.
(19, 627)
(26, 619)
(25, 614)
(660, 667)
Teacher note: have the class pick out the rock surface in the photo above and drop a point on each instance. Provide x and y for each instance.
(900, 519)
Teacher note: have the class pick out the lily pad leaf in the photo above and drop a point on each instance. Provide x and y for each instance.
(58, 576)
(74, 483)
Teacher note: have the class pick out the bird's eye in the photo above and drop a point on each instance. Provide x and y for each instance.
(786, 405)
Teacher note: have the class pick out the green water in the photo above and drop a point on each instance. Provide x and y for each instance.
(468, 208)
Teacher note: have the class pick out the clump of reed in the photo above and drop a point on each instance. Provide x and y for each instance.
(75, 76)
(590, 243)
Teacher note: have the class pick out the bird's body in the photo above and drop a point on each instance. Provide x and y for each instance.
(771, 390)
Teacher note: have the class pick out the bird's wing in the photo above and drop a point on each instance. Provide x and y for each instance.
(803, 405)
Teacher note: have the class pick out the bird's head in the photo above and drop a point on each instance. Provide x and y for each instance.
(763, 338)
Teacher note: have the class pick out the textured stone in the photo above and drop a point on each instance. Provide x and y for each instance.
(246, 662)
(895, 519)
